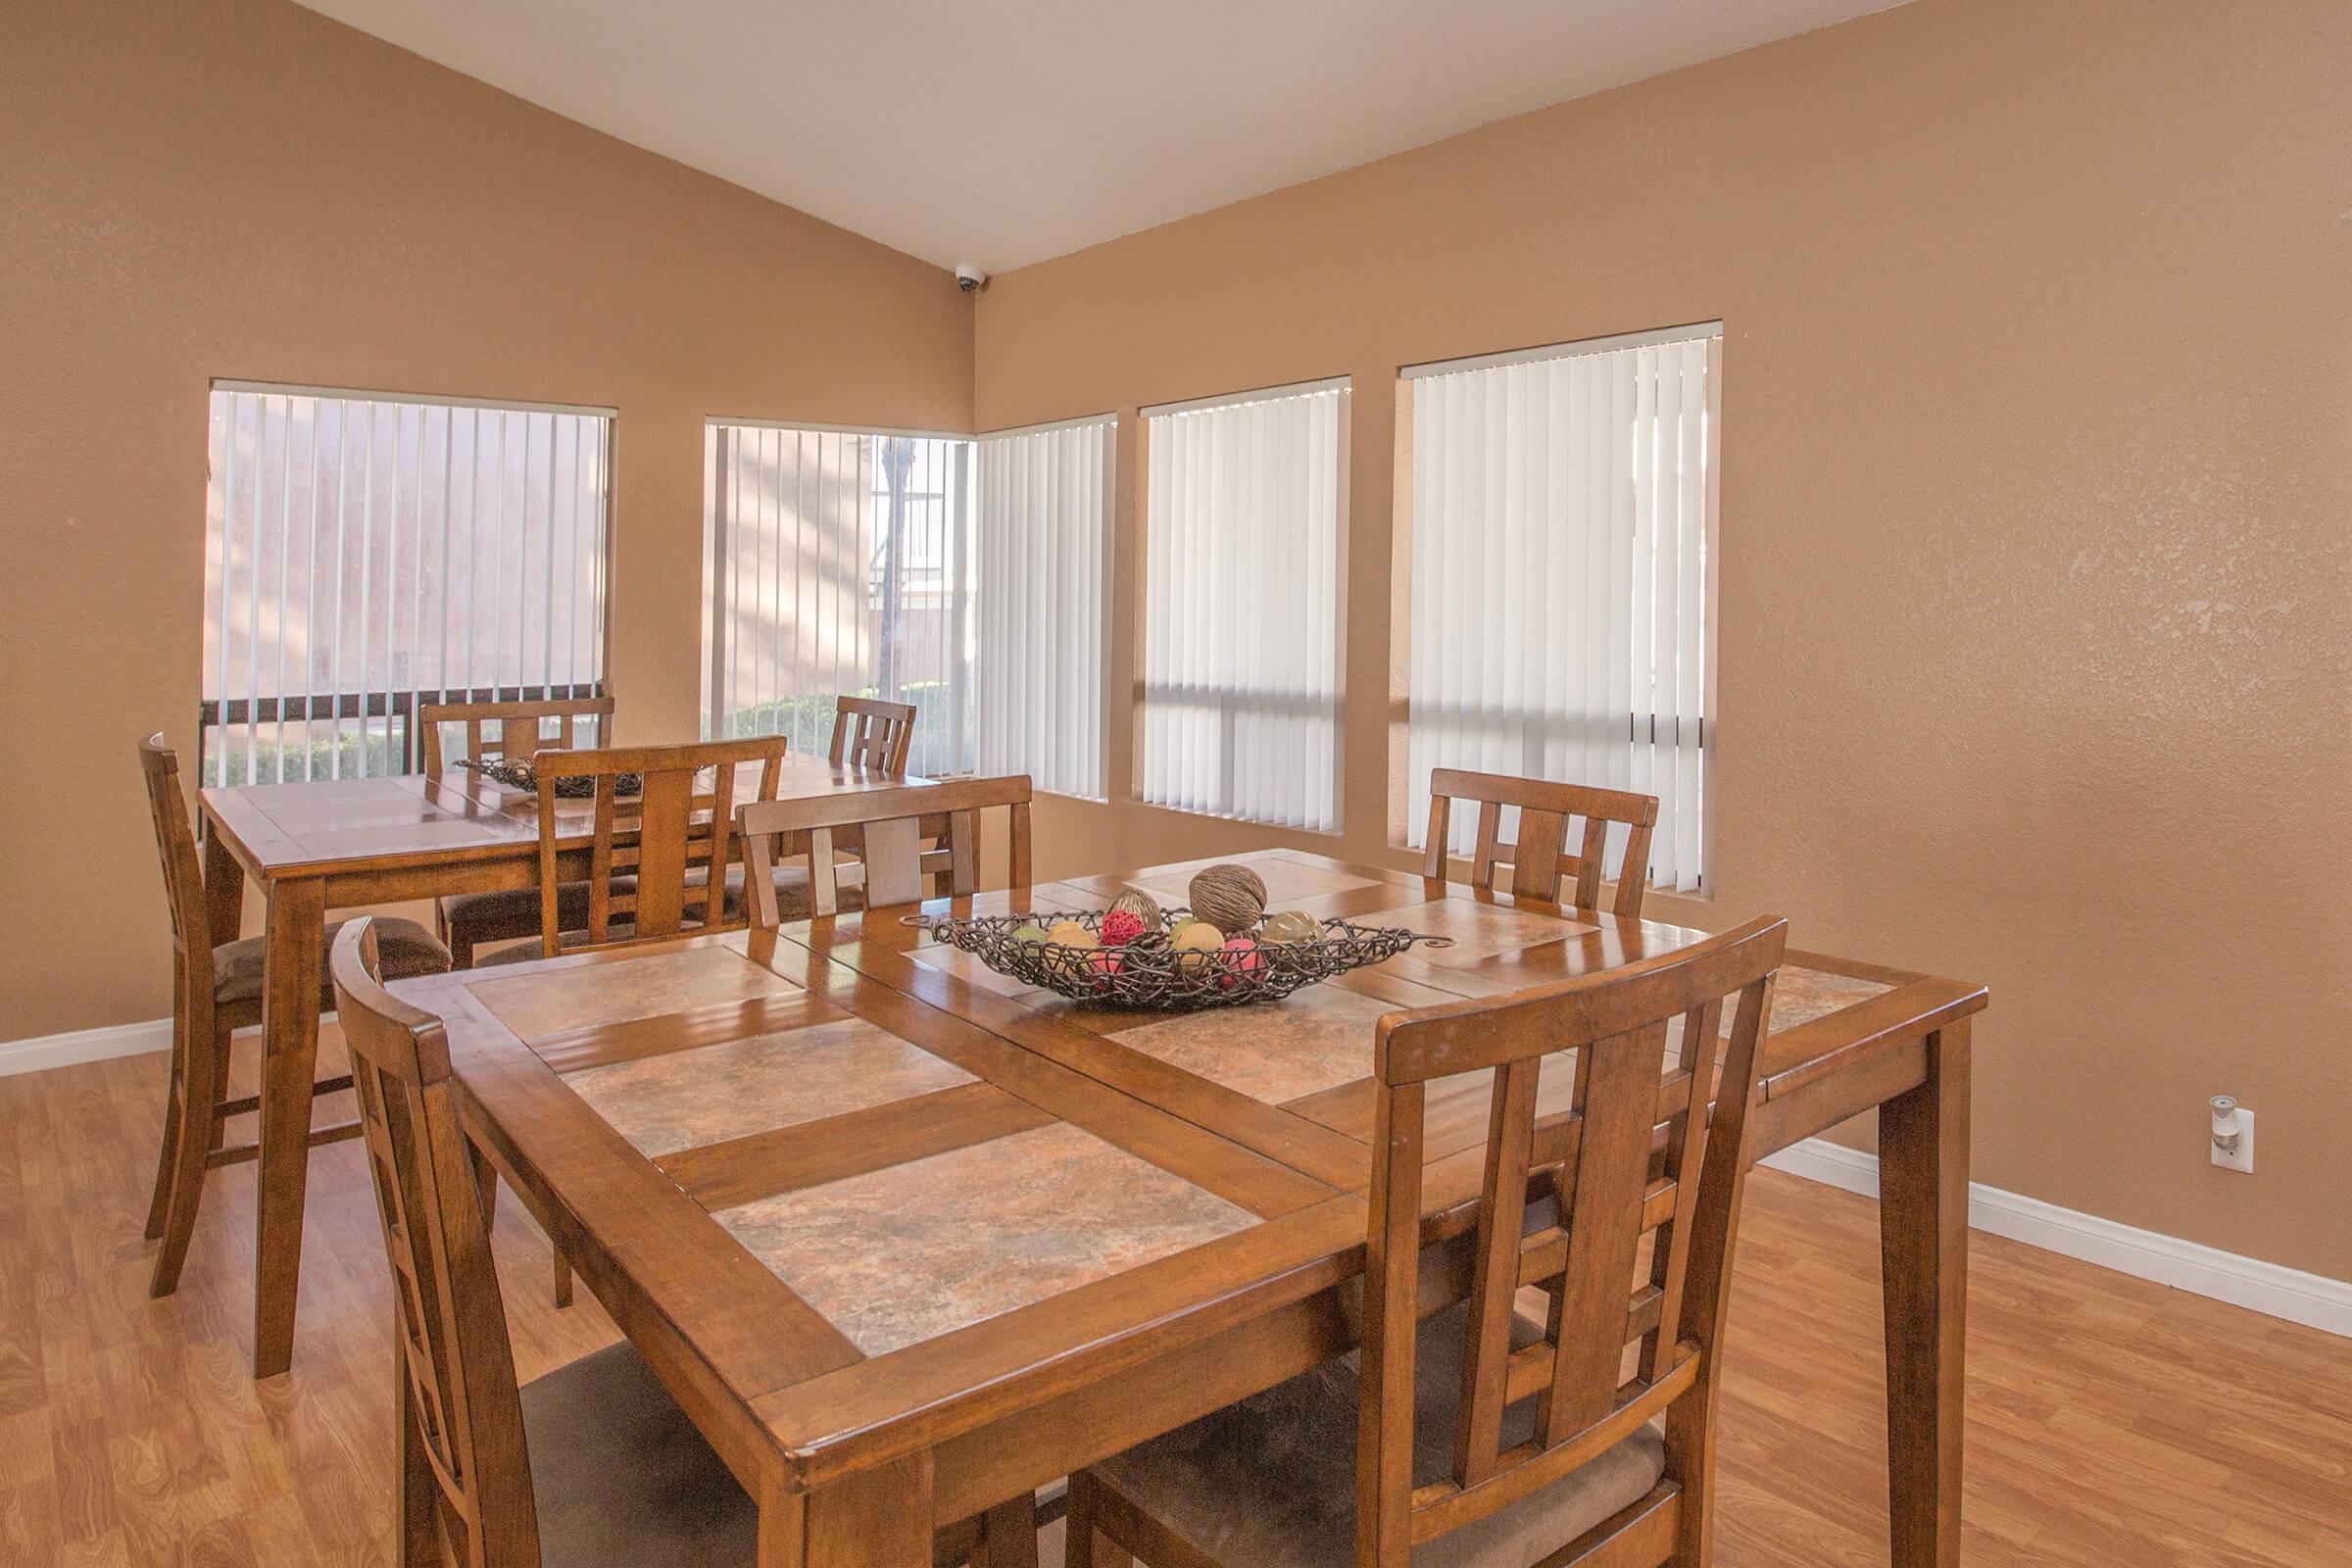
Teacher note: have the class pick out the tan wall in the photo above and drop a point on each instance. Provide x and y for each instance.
(246, 189)
(2036, 598)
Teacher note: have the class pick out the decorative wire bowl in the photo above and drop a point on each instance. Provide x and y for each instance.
(521, 776)
(1149, 974)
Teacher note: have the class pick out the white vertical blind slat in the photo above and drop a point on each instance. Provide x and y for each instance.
(1562, 509)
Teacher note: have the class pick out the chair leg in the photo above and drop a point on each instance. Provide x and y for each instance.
(199, 1093)
(1009, 1535)
(1083, 1544)
(174, 1126)
(485, 1183)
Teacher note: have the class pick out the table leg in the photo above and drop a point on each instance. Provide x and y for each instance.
(224, 890)
(290, 981)
(1923, 1222)
(878, 1518)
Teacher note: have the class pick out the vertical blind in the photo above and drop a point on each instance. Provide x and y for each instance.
(365, 554)
(1043, 501)
(1241, 616)
(839, 564)
(1562, 509)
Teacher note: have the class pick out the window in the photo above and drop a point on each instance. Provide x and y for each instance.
(1242, 614)
(1563, 508)
(366, 553)
(839, 564)
(1044, 498)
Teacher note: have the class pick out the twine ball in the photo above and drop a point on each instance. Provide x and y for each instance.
(1231, 898)
(1139, 903)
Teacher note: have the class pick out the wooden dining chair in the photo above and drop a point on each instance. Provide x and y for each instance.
(868, 733)
(896, 867)
(589, 1466)
(657, 859)
(216, 991)
(1465, 1433)
(1540, 860)
(504, 732)
(593, 1465)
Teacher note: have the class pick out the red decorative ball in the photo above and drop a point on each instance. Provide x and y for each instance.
(1120, 927)
(1105, 965)
(1244, 960)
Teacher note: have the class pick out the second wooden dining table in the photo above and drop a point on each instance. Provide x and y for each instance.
(907, 1239)
(340, 844)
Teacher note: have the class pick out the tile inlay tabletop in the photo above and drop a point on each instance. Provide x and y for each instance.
(691, 1098)
(909, 1253)
(550, 1003)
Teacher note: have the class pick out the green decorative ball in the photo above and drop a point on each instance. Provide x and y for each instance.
(1231, 898)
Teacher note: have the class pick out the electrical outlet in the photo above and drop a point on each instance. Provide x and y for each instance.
(2243, 1157)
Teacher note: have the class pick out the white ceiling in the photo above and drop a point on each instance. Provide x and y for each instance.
(1004, 131)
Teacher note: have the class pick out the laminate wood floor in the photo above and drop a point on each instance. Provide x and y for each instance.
(2111, 1421)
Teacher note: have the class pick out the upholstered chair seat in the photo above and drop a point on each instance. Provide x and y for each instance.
(511, 914)
(621, 930)
(1272, 1480)
(794, 900)
(409, 950)
(623, 1478)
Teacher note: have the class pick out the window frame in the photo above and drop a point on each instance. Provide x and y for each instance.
(398, 705)
(1147, 487)
(1403, 821)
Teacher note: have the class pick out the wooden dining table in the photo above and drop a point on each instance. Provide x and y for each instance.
(341, 844)
(907, 1240)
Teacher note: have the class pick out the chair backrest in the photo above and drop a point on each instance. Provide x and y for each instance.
(675, 838)
(183, 885)
(462, 1415)
(1540, 860)
(1566, 1201)
(894, 823)
(867, 733)
(504, 731)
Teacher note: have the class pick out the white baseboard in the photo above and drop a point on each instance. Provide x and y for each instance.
(2313, 1300)
(43, 1051)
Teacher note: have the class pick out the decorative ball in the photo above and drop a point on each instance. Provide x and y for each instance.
(1292, 925)
(1192, 942)
(1231, 898)
(1120, 927)
(1103, 967)
(1139, 903)
(1244, 960)
(1030, 935)
(1070, 935)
